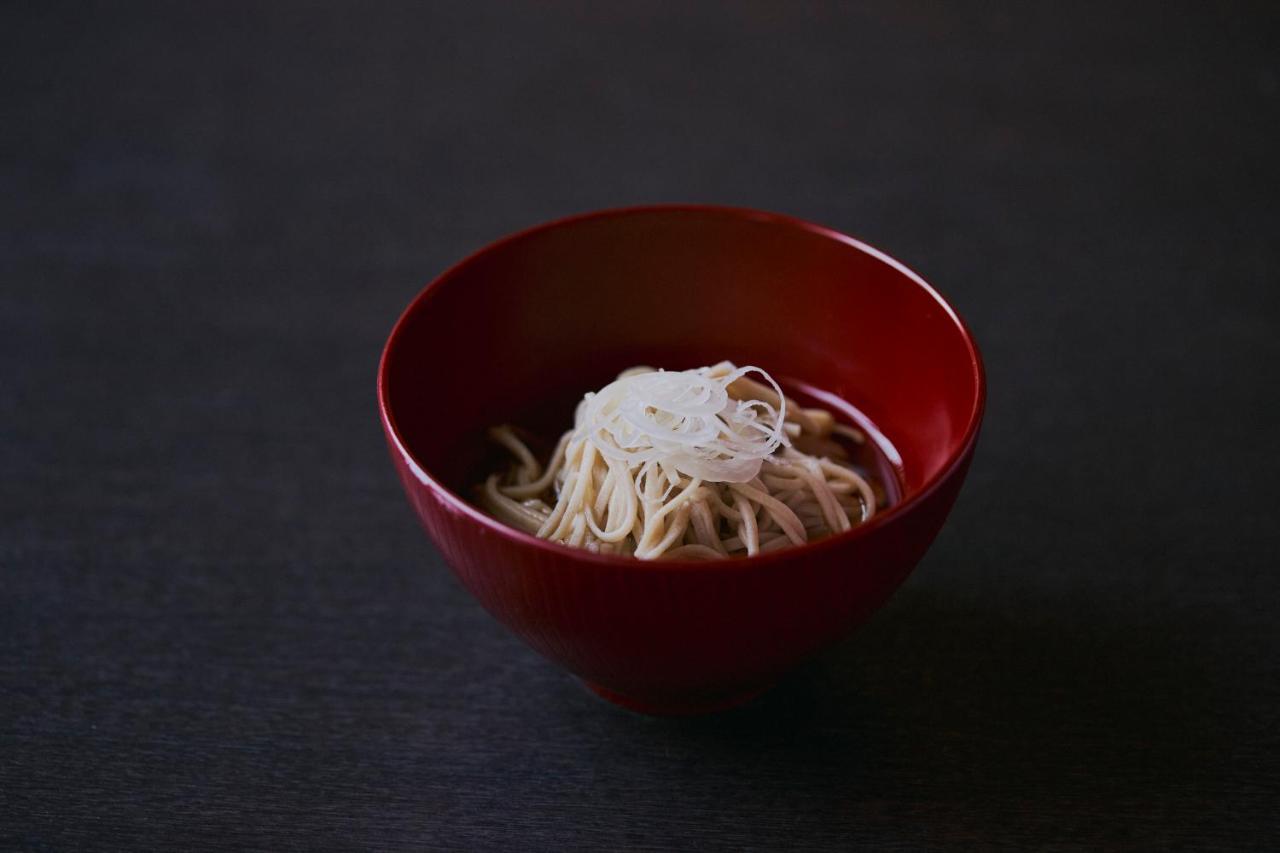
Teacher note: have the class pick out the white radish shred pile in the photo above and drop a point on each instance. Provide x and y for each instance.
(687, 421)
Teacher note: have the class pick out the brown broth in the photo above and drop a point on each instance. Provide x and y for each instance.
(876, 459)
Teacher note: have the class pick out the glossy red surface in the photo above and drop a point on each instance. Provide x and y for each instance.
(557, 310)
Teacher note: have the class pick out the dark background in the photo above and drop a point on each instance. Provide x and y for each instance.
(220, 624)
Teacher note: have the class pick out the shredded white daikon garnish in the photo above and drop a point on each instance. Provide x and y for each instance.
(686, 421)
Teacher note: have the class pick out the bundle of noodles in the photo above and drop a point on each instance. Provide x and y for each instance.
(695, 464)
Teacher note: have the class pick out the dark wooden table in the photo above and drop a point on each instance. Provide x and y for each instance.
(220, 626)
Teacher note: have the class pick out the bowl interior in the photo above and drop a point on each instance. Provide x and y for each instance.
(517, 332)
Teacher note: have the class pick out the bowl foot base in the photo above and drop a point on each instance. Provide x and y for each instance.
(676, 707)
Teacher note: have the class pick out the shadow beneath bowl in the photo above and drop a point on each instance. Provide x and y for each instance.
(1037, 706)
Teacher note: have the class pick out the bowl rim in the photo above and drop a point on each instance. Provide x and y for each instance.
(575, 555)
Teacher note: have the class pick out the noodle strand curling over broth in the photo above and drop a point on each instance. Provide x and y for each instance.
(695, 464)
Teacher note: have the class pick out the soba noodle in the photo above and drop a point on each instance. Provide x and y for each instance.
(699, 464)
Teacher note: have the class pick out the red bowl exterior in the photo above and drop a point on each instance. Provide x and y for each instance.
(680, 637)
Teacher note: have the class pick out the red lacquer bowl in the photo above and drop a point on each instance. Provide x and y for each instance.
(518, 331)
